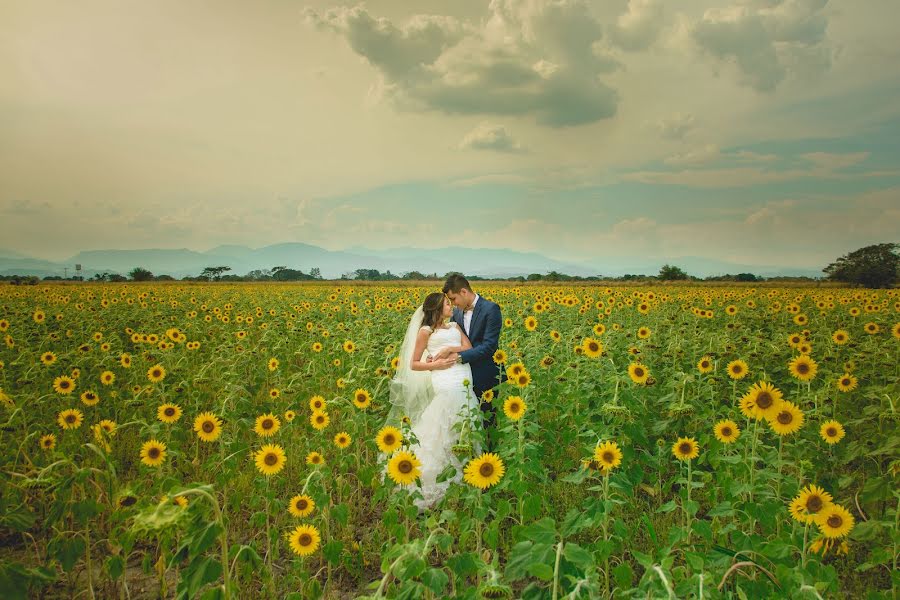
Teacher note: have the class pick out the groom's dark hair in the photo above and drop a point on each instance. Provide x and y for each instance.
(456, 282)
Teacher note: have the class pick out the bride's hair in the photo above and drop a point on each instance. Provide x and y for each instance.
(433, 307)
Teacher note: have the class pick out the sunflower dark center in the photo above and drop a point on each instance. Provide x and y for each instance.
(305, 539)
(705, 364)
(785, 418)
(153, 452)
(764, 400)
(726, 431)
(170, 412)
(831, 432)
(156, 373)
(803, 368)
(814, 504)
(389, 439)
(845, 382)
(270, 459)
(405, 467)
(608, 457)
(835, 521)
(515, 407)
(593, 346)
(639, 372)
(64, 384)
(268, 424)
(302, 504)
(685, 448)
(208, 426)
(486, 469)
(737, 369)
(70, 418)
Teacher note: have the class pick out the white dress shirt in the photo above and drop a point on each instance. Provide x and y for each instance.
(467, 315)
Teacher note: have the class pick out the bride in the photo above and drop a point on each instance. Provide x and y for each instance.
(435, 393)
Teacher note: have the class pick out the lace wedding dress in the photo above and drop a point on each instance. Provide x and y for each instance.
(453, 400)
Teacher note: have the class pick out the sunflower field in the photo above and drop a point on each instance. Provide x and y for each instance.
(174, 440)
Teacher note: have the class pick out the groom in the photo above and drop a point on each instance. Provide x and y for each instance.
(481, 320)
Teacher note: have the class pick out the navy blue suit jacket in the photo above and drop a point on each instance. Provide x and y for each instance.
(484, 333)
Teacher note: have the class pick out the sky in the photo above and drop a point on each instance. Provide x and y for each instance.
(756, 131)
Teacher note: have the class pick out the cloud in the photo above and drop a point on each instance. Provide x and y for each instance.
(770, 213)
(540, 59)
(676, 126)
(491, 137)
(706, 154)
(768, 41)
(827, 160)
(638, 28)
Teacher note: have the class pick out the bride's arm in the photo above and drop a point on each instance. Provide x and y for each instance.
(418, 365)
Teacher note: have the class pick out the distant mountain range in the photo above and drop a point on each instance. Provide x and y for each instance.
(482, 262)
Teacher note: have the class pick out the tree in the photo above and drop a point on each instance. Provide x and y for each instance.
(140, 274)
(214, 273)
(315, 273)
(874, 266)
(671, 273)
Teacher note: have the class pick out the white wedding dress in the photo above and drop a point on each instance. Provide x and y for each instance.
(453, 400)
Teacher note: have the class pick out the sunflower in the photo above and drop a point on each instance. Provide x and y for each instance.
(638, 373)
(847, 382)
(523, 379)
(48, 442)
(514, 407)
(362, 399)
(832, 432)
(208, 427)
(705, 365)
(107, 426)
(317, 403)
(301, 506)
(404, 468)
(314, 458)
(342, 439)
(70, 418)
(895, 330)
(289, 415)
(168, 412)
(107, 377)
(499, 357)
(608, 456)
(514, 370)
(643, 333)
(274, 393)
(726, 431)
(803, 367)
(487, 396)
(319, 419)
(349, 347)
(808, 503)
(273, 364)
(267, 425)
(835, 521)
(788, 419)
(389, 439)
(270, 459)
(39, 316)
(156, 373)
(840, 337)
(765, 400)
(64, 385)
(48, 358)
(484, 471)
(89, 398)
(685, 449)
(153, 453)
(872, 328)
(304, 540)
(737, 369)
(592, 348)
(531, 323)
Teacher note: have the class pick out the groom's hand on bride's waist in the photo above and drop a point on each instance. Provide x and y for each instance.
(443, 363)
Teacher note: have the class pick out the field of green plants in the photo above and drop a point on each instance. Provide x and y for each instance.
(171, 440)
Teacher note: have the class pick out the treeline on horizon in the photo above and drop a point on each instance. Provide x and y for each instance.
(872, 266)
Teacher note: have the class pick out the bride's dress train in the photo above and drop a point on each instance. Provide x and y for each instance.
(436, 429)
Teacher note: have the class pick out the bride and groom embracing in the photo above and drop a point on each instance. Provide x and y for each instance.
(446, 364)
